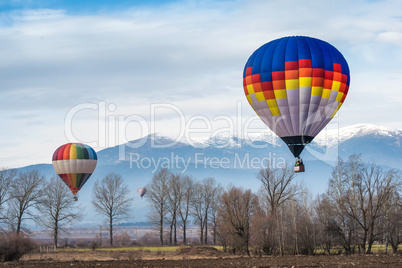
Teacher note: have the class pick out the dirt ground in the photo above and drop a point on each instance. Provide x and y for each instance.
(196, 257)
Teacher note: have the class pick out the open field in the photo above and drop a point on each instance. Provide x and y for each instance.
(193, 257)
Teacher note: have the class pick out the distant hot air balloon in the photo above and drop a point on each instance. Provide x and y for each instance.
(141, 191)
(74, 163)
(296, 85)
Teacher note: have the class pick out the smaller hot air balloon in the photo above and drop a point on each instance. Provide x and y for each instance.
(141, 191)
(74, 163)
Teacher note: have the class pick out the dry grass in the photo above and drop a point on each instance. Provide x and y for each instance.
(151, 249)
(204, 257)
(132, 254)
(122, 253)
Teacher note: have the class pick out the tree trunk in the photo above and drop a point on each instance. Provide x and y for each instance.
(19, 225)
(386, 244)
(111, 231)
(161, 231)
(175, 233)
(55, 234)
(364, 241)
(394, 248)
(214, 237)
(294, 226)
(369, 248)
(247, 236)
(184, 233)
(206, 233)
(279, 233)
(282, 235)
(370, 244)
(100, 236)
(371, 238)
(201, 233)
(170, 233)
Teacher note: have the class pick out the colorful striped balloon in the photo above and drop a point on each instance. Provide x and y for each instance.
(74, 163)
(296, 85)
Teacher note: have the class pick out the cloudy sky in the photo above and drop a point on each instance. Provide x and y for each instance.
(105, 72)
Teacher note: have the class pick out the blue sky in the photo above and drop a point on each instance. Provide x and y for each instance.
(70, 70)
(77, 6)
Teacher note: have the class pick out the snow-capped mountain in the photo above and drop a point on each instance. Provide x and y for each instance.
(377, 144)
(238, 159)
(334, 137)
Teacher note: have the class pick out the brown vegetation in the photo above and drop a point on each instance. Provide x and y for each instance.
(361, 208)
(13, 246)
(110, 197)
(201, 256)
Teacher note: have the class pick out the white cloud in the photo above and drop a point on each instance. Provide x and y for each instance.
(191, 55)
(37, 15)
(391, 37)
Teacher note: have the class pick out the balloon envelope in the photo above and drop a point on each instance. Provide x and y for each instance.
(74, 163)
(141, 191)
(296, 85)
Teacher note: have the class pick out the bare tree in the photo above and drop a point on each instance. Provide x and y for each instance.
(276, 189)
(205, 193)
(174, 197)
(110, 198)
(262, 232)
(6, 178)
(197, 209)
(209, 194)
(375, 188)
(340, 223)
(187, 188)
(214, 212)
(394, 222)
(157, 196)
(24, 194)
(302, 228)
(123, 239)
(237, 208)
(359, 194)
(324, 217)
(364, 198)
(57, 208)
(349, 173)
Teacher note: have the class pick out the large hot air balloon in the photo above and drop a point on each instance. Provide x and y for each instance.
(296, 85)
(141, 191)
(74, 163)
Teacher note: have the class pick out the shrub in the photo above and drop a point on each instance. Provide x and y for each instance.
(82, 243)
(93, 245)
(123, 239)
(115, 255)
(149, 239)
(160, 253)
(13, 246)
(133, 255)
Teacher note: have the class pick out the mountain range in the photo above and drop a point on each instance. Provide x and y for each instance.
(235, 160)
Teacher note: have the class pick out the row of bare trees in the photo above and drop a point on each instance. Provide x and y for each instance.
(25, 196)
(28, 196)
(362, 206)
(174, 199)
